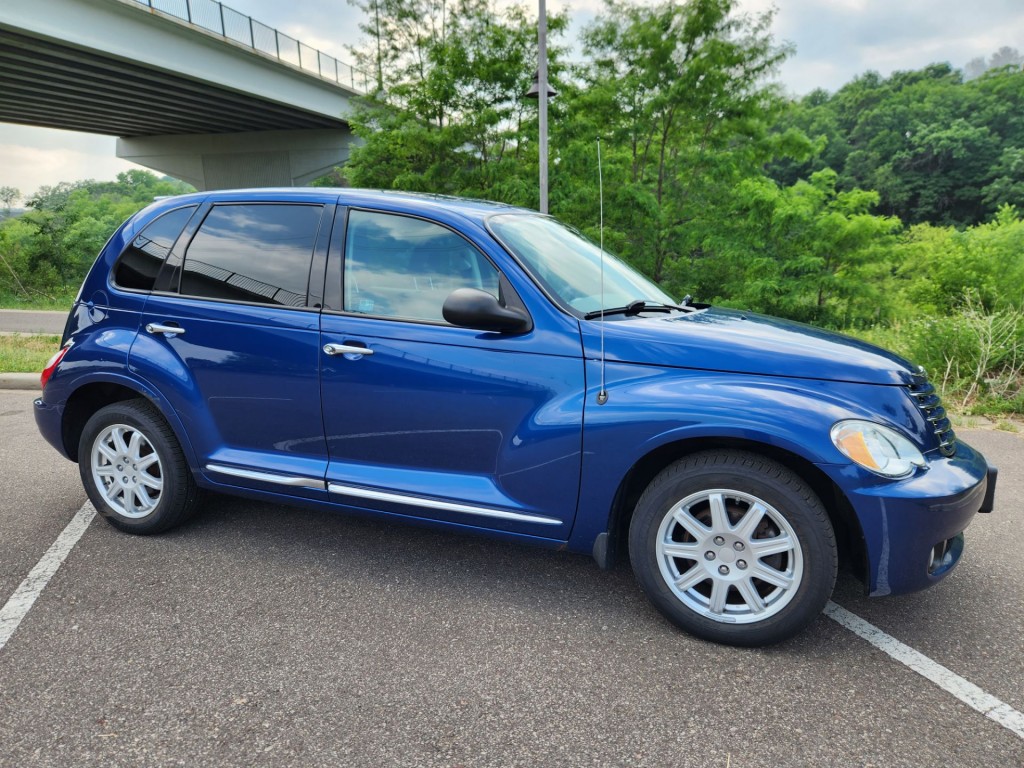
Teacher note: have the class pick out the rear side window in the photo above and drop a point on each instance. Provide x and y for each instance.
(252, 253)
(138, 265)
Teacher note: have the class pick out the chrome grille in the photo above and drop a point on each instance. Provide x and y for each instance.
(927, 399)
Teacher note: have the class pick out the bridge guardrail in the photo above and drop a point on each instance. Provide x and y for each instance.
(230, 24)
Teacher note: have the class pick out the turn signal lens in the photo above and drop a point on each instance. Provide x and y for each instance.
(879, 449)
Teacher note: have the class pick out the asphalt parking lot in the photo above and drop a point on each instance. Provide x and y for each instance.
(270, 636)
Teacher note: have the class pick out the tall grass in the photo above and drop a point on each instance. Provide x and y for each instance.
(22, 353)
(974, 356)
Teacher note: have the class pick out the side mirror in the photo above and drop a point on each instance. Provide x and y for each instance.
(473, 308)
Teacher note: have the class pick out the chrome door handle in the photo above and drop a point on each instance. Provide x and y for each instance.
(169, 329)
(346, 349)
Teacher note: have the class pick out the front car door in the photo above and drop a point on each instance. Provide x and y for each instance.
(434, 421)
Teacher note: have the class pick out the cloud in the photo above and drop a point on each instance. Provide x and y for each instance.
(61, 156)
(839, 39)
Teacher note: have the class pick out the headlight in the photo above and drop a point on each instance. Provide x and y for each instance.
(877, 448)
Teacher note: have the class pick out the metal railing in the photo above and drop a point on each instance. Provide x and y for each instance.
(217, 18)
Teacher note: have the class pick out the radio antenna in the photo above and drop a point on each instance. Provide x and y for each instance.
(602, 396)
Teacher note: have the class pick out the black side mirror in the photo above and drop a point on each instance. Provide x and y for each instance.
(473, 308)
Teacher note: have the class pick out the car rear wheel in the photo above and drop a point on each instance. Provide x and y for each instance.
(734, 548)
(134, 470)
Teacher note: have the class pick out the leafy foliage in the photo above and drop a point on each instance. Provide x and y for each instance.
(936, 149)
(50, 246)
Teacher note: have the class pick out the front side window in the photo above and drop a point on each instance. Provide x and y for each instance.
(401, 267)
(253, 253)
(140, 262)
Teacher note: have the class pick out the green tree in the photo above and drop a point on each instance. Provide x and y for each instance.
(9, 196)
(942, 267)
(681, 96)
(51, 245)
(454, 119)
(808, 252)
(935, 148)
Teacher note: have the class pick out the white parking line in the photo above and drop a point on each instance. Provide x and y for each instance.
(25, 595)
(949, 681)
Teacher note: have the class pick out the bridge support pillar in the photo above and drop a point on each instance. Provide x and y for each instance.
(234, 160)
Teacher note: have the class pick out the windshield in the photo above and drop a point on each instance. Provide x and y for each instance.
(569, 266)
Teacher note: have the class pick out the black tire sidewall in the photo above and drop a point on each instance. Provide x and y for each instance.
(768, 481)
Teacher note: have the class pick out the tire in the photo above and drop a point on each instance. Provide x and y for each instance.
(133, 469)
(694, 539)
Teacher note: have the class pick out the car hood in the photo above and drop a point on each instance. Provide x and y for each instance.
(743, 342)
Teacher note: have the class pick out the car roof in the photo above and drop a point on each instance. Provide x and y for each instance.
(412, 202)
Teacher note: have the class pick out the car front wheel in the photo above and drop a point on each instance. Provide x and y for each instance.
(134, 470)
(734, 548)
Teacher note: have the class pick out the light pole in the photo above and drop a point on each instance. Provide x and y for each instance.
(542, 92)
(542, 101)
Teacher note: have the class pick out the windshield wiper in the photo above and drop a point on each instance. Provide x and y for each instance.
(634, 308)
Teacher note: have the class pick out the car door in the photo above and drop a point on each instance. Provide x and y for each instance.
(433, 421)
(232, 342)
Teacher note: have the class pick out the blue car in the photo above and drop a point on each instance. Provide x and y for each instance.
(484, 368)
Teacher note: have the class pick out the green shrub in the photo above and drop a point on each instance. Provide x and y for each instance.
(974, 356)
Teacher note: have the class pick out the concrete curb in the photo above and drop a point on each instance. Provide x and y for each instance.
(26, 381)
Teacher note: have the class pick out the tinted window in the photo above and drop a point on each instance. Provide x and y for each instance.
(253, 253)
(397, 266)
(141, 260)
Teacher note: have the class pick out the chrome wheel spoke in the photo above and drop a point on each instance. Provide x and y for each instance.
(750, 596)
(774, 546)
(691, 579)
(134, 443)
(147, 480)
(145, 462)
(749, 522)
(719, 591)
(106, 452)
(129, 502)
(684, 551)
(771, 576)
(719, 517)
(690, 524)
(111, 492)
(117, 438)
(144, 501)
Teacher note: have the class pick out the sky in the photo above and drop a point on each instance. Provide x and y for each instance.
(835, 40)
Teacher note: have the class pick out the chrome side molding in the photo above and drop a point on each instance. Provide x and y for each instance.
(368, 493)
(267, 477)
(419, 501)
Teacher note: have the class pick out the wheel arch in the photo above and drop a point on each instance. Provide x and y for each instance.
(613, 542)
(89, 397)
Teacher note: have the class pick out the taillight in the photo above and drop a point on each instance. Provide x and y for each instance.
(52, 364)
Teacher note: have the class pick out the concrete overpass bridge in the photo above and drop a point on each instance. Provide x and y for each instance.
(192, 88)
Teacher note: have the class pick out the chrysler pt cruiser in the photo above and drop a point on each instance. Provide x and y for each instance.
(484, 368)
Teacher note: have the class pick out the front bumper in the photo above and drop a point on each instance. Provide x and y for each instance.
(912, 529)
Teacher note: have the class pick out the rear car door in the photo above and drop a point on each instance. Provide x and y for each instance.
(434, 421)
(232, 338)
